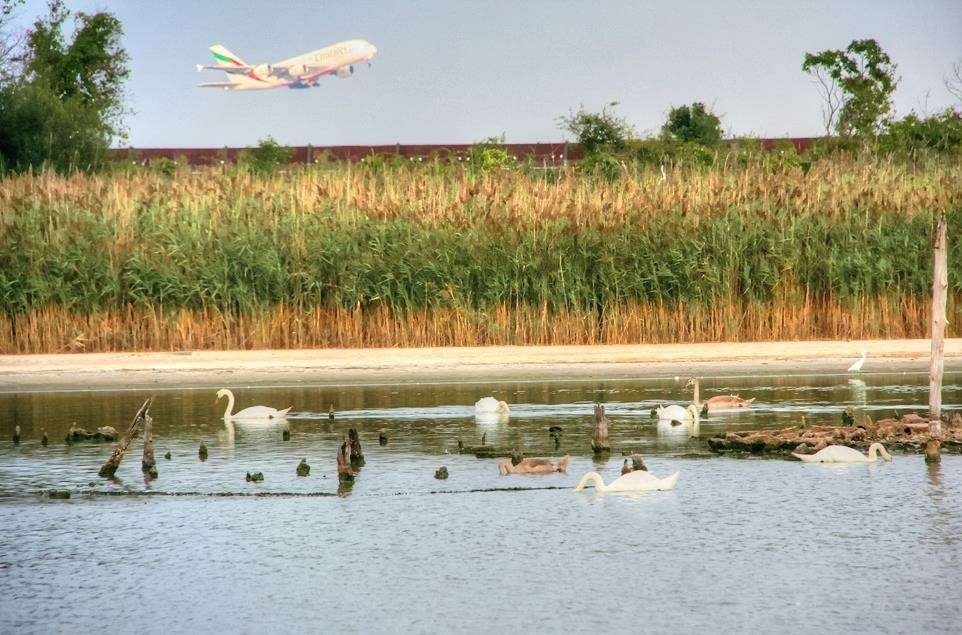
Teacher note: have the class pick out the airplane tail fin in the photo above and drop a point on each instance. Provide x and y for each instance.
(225, 57)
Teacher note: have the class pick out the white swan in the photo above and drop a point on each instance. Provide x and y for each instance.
(843, 454)
(674, 412)
(857, 366)
(254, 412)
(637, 481)
(491, 406)
(688, 425)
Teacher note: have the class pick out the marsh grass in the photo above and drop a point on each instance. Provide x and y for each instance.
(435, 254)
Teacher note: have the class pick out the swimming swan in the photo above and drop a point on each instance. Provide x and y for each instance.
(637, 481)
(491, 406)
(843, 454)
(254, 412)
(533, 466)
(719, 402)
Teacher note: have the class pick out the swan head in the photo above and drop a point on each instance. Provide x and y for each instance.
(223, 392)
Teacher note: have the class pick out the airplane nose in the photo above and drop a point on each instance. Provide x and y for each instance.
(373, 50)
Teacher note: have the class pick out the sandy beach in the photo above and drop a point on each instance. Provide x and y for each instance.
(97, 371)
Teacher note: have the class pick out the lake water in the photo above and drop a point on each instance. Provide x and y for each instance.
(739, 545)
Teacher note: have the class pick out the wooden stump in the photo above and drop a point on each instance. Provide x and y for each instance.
(345, 473)
(933, 448)
(148, 465)
(110, 467)
(357, 455)
(599, 440)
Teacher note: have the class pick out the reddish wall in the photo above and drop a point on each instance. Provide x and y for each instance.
(550, 153)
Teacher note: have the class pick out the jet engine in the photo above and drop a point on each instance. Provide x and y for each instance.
(297, 70)
(263, 70)
(345, 71)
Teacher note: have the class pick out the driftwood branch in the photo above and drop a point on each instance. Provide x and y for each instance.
(110, 467)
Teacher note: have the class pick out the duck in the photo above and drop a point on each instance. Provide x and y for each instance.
(491, 406)
(636, 481)
(718, 402)
(533, 466)
(254, 412)
(844, 454)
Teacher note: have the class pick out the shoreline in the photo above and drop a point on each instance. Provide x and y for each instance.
(328, 367)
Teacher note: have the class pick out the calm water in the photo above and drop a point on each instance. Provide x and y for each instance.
(739, 545)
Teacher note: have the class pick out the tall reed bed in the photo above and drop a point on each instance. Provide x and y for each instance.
(434, 254)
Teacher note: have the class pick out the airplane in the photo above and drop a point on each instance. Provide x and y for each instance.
(302, 71)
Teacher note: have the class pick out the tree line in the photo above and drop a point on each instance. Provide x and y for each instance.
(62, 105)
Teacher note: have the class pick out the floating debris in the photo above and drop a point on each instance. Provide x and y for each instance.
(441, 473)
(61, 494)
(303, 469)
(256, 477)
(102, 434)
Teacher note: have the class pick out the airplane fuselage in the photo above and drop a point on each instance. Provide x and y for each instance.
(301, 71)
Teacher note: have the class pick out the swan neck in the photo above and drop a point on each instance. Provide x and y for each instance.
(696, 398)
(230, 405)
(592, 477)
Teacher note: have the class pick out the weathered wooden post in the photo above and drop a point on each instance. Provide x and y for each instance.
(357, 455)
(109, 468)
(344, 472)
(599, 440)
(148, 465)
(940, 285)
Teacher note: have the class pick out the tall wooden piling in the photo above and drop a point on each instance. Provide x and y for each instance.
(109, 468)
(940, 284)
(344, 471)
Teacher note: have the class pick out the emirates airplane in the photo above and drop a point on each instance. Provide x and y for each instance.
(302, 71)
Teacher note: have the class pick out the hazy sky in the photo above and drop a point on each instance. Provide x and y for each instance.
(456, 71)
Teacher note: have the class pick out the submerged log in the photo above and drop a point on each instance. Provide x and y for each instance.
(109, 468)
(344, 471)
(148, 465)
(933, 451)
(599, 439)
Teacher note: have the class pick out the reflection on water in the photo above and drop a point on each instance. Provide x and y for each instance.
(769, 543)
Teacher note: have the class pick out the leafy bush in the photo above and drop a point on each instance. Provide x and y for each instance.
(598, 131)
(490, 155)
(268, 154)
(693, 124)
(911, 135)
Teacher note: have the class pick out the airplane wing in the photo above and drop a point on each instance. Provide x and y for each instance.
(240, 70)
(227, 85)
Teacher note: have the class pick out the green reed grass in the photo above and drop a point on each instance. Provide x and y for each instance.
(442, 239)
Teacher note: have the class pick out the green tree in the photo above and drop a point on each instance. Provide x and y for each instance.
(693, 124)
(857, 85)
(597, 131)
(63, 105)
